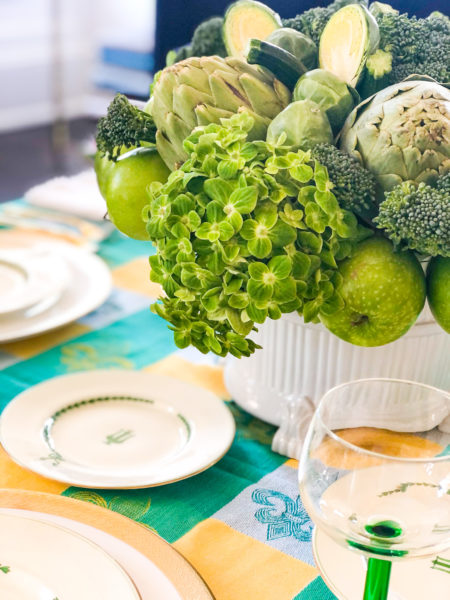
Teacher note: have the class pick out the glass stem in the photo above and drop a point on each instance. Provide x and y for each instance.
(377, 579)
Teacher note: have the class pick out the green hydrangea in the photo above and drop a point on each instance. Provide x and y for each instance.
(244, 231)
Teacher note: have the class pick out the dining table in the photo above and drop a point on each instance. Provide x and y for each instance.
(241, 523)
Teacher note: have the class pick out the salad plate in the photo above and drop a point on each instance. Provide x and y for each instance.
(87, 285)
(344, 572)
(44, 561)
(157, 570)
(29, 278)
(116, 429)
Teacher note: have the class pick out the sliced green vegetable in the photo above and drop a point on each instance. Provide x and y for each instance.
(332, 94)
(350, 36)
(244, 20)
(301, 125)
(376, 74)
(298, 44)
(282, 64)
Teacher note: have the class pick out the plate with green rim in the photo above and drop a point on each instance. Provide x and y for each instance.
(43, 561)
(116, 429)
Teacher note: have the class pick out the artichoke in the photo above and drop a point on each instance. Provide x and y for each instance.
(402, 133)
(199, 91)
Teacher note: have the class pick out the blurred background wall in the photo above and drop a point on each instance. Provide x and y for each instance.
(61, 62)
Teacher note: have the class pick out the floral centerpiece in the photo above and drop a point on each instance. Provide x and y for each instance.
(297, 166)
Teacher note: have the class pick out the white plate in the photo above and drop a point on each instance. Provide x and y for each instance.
(28, 277)
(344, 572)
(158, 571)
(43, 561)
(116, 429)
(88, 285)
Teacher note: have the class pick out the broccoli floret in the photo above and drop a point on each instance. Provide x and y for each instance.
(174, 56)
(443, 184)
(417, 46)
(417, 217)
(354, 186)
(312, 22)
(207, 39)
(124, 125)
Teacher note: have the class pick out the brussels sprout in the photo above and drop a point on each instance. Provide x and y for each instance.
(330, 92)
(298, 44)
(302, 125)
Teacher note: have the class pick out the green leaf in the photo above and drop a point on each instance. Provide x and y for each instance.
(346, 224)
(315, 218)
(310, 311)
(248, 230)
(266, 214)
(227, 169)
(239, 300)
(321, 177)
(327, 202)
(257, 270)
(332, 304)
(285, 290)
(260, 247)
(301, 263)
(282, 234)
(302, 173)
(244, 199)
(182, 339)
(310, 242)
(237, 323)
(258, 315)
(274, 311)
(214, 212)
(280, 266)
(259, 291)
(218, 190)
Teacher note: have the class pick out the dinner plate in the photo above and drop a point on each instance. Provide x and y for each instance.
(88, 285)
(158, 571)
(43, 561)
(28, 278)
(116, 429)
(344, 572)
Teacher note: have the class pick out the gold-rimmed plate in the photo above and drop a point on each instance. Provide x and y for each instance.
(156, 569)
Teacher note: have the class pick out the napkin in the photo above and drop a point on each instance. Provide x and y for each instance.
(77, 195)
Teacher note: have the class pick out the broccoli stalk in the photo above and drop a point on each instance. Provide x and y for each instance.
(353, 185)
(124, 125)
(417, 217)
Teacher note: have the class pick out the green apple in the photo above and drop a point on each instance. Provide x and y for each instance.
(438, 288)
(123, 184)
(383, 291)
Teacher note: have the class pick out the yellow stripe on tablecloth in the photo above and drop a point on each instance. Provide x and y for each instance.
(205, 376)
(292, 462)
(135, 276)
(14, 476)
(36, 345)
(217, 552)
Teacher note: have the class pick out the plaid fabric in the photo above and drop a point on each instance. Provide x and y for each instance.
(241, 523)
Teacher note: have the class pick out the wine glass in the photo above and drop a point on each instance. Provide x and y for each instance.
(375, 472)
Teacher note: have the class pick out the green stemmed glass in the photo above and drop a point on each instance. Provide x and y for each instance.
(375, 473)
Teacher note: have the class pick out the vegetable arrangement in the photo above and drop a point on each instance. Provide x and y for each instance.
(280, 174)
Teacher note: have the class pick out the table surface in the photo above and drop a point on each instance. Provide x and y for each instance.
(241, 523)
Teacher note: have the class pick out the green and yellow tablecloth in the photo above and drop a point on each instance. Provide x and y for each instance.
(241, 523)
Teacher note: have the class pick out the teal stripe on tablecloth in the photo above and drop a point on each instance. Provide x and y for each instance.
(316, 590)
(131, 343)
(117, 249)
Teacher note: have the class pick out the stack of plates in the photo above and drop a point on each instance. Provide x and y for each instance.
(103, 429)
(56, 548)
(46, 286)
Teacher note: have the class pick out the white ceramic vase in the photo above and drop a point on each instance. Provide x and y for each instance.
(306, 359)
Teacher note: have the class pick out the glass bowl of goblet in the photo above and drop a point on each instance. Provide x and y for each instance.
(375, 472)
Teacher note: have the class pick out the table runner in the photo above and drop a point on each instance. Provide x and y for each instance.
(241, 523)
